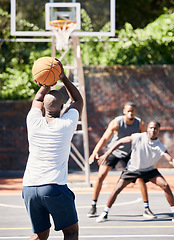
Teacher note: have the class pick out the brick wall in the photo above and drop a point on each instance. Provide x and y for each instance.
(107, 90)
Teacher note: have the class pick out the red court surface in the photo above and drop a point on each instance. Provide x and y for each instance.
(76, 181)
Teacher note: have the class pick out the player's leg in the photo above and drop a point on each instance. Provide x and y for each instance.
(41, 236)
(147, 212)
(121, 184)
(102, 173)
(71, 233)
(118, 188)
(161, 182)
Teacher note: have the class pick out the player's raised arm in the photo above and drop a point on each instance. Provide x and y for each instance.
(39, 97)
(73, 92)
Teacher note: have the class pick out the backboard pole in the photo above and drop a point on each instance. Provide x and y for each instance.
(81, 80)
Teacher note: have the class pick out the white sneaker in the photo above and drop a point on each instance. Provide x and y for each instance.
(149, 214)
(103, 217)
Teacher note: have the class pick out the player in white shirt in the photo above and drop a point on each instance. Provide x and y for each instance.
(45, 190)
(146, 151)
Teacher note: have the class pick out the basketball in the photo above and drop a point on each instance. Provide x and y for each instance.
(46, 71)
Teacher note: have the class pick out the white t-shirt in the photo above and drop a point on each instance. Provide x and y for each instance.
(49, 147)
(145, 152)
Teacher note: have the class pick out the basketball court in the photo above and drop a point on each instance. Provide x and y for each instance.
(125, 220)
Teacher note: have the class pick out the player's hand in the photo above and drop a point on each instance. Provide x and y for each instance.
(102, 159)
(40, 85)
(92, 158)
(62, 75)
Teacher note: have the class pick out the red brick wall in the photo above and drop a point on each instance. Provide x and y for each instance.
(107, 89)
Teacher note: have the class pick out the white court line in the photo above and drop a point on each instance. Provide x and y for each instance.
(11, 206)
(103, 236)
(117, 204)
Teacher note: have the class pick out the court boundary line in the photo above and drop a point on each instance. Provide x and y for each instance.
(78, 207)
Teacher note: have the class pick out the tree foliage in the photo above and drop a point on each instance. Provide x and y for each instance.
(153, 44)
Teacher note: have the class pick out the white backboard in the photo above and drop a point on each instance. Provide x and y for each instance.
(20, 9)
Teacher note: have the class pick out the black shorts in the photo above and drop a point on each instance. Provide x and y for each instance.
(113, 160)
(146, 175)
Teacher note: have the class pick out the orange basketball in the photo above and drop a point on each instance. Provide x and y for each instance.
(46, 71)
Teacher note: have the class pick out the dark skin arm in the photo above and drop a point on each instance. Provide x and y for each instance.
(39, 97)
(73, 92)
(116, 145)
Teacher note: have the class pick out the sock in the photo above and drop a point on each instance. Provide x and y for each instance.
(172, 208)
(106, 209)
(94, 202)
(146, 204)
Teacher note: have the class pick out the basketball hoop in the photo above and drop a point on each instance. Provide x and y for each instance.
(62, 30)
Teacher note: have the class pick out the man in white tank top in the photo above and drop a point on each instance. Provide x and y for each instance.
(146, 151)
(45, 190)
(119, 127)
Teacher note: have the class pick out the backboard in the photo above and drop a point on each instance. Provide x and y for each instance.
(40, 12)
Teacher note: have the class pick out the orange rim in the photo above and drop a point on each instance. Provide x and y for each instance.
(61, 23)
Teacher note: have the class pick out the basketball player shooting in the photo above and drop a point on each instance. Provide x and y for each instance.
(45, 190)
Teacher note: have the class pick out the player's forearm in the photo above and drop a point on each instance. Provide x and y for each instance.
(73, 92)
(114, 147)
(100, 145)
(41, 93)
(117, 144)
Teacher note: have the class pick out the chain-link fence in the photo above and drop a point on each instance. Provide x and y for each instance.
(151, 88)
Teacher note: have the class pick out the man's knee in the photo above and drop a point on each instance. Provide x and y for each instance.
(165, 186)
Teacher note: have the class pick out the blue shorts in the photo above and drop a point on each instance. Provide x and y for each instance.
(52, 199)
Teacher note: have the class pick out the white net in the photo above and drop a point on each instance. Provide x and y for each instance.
(62, 35)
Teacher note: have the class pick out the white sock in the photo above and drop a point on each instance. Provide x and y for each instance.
(94, 202)
(106, 209)
(146, 204)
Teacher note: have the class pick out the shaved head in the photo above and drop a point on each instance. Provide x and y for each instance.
(53, 102)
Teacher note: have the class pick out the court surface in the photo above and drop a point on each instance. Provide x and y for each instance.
(125, 220)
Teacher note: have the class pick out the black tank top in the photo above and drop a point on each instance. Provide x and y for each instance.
(124, 131)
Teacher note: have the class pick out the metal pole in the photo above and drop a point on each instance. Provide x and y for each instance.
(81, 81)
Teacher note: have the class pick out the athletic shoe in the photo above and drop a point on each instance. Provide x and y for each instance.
(149, 214)
(92, 212)
(103, 217)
